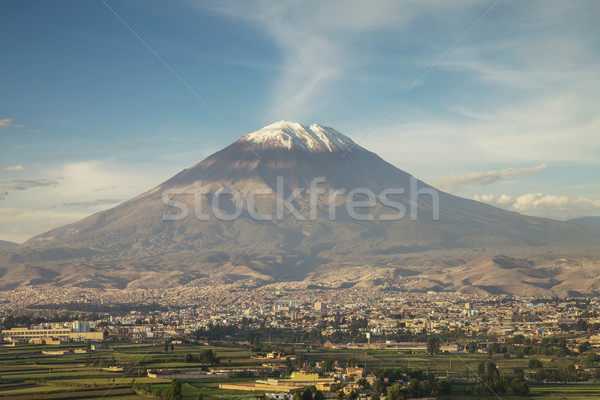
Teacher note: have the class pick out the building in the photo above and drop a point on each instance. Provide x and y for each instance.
(319, 306)
(61, 334)
(26, 334)
(295, 382)
(81, 326)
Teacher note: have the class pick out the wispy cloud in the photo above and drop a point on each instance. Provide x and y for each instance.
(559, 128)
(550, 206)
(104, 188)
(525, 92)
(319, 43)
(3, 195)
(456, 182)
(6, 123)
(24, 184)
(92, 203)
(13, 168)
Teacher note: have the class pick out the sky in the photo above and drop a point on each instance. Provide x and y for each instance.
(102, 100)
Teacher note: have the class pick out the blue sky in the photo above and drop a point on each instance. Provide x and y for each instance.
(90, 117)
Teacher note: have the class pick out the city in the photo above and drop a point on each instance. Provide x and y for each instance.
(341, 341)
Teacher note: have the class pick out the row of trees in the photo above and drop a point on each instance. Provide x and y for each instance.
(417, 388)
(520, 347)
(97, 361)
(491, 381)
(206, 356)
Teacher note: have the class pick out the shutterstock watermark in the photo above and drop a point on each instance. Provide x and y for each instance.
(358, 203)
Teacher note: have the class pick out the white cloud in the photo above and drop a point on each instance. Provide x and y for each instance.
(32, 206)
(19, 224)
(456, 182)
(13, 168)
(549, 206)
(504, 200)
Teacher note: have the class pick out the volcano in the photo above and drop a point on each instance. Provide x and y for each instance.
(286, 202)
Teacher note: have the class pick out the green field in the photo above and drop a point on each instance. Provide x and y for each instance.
(27, 374)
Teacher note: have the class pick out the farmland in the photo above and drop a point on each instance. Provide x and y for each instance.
(27, 374)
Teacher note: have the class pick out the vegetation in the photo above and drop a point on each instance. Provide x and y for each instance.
(29, 374)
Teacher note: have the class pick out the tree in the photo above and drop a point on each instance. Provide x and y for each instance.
(352, 396)
(176, 388)
(172, 347)
(174, 391)
(519, 387)
(418, 388)
(379, 386)
(363, 383)
(328, 365)
(397, 392)
(433, 345)
(445, 386)
(491, 372)
(353, 362)
(490, 379)
(207, 356)
(581, 325)
(472, 347)
(306, 394)
(319, 395)
(200, 397)
(166, 346)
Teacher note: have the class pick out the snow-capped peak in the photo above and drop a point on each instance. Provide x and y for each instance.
(292, 135)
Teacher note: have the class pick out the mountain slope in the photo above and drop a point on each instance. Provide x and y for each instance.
(8, 245)
(591, 221)
(284, 159)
